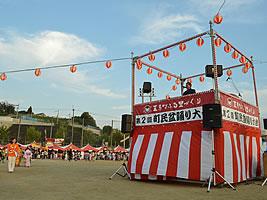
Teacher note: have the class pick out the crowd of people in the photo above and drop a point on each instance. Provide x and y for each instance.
(17, 157)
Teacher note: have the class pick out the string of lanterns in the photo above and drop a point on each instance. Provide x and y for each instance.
(72, 67)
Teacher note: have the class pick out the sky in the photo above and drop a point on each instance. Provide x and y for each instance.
(37, 33)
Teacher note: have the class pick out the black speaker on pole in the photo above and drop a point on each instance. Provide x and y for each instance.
(210, 70)
(126, 123)
(212, 116)
(147, 87)
(265, 123)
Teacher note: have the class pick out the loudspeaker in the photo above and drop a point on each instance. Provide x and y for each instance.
(210, 71)
(265, 123)
(212, 116)
(126, 123)
(147, 87)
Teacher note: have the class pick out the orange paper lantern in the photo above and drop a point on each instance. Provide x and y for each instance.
(218, 42)
(242, 59)
(235, 55)
(227, 48)
(37, 72)
(244, 69)
(160, 74)
(229, 72)
(248, 65)
(73, 69)
(177, 81)
(202, 78)
(174, 87)
(182, 46)
(149, 70)
(218, 19)
(200, 42)
(151, 57)
(169, 77)
(108, 64)
(190, 80)
(166, 53)
(139, 64)
(3, 77)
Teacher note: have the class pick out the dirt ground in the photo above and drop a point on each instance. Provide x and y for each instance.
(56, 180)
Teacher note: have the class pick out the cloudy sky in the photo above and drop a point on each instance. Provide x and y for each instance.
(37, 33)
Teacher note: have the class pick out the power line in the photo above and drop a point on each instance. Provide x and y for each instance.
(66, 65)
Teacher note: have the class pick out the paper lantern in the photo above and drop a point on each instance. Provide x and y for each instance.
(37, 72)
(151, 57)
(149, 70)
(218, 42)
(108, 64)
(248, 65)
(168, 97)
(3, 77)
(218, 19)
(160, 74)
(169, 77)
(202, 78)
(177, 81)
(229, 72)
(139, 64)
(190, 80)
(182, 46)
(244, 69)
(73, 69)
(235, 55)
(174, 87)
(242, 59)
(166, 53)
(200, 42)
(227, 48)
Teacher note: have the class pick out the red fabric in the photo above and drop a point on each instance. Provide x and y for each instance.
(88, 147)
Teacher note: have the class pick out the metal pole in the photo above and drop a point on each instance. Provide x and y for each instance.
(254, 82)
(72, 124)
(216, 90)
(133, 82)
(82, 133)
(19, 129)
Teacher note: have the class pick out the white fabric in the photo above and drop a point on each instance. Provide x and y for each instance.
(149, 153)
(135, 152)
(228, 157)
(254, 157)
(247, 142)
(238, 159)
(11, 163)
(206, 155)
(242, 148)
(183, 158)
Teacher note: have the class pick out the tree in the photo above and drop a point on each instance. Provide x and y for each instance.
(29, 111)
(4, 134)
(107, 130)
(33, 134)
(88, 119)
(6, 108)
(61, 130)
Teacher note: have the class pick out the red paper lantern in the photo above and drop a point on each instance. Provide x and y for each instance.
(160, 74)
(200, 42)
(151, 57)
(108, 64)
(168, 97)
(218, 19)
(139, 64)
(3, 77)
(177, 81)
(149, 70)
(37, 72)
(166, 53)
(73, 69)
(169, 77)
(248, 65)
(244, 69)
(229, 72)
(174, 87)
(202, 78)
(235, 55)
(190, 80)
(242, 59)
(218, 42)
(227, 48)
(182, 46)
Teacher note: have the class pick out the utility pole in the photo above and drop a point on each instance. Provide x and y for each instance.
(111, 134)
(51, 129)
(72, 128)
(19, 130)
(82, 134)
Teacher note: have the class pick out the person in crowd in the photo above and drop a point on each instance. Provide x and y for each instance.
(70, 155)
(27, 156)
(12, 153)
(18, 158)
(189, 89)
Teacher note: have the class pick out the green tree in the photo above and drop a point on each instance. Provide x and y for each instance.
(29, 111)
(61, 130)
(107, 130)
(88, 119)
(4, 134)
(32, 134)
(6, 108)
